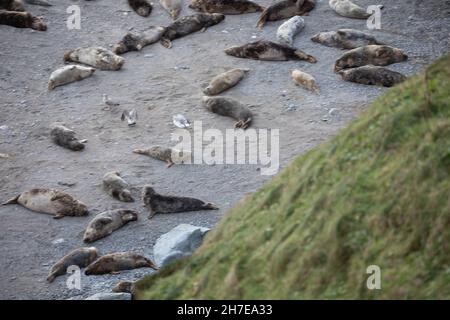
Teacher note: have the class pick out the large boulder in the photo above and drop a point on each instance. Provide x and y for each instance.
(110, 296)
(179, 242)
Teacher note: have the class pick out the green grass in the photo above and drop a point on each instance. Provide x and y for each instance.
(377, 194)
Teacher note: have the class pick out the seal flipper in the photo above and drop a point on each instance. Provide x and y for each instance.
(12, 201)
(58, 216)
(263, 18)
(303, 56)
(166, 43)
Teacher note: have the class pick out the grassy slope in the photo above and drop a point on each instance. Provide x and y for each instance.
(378, 193)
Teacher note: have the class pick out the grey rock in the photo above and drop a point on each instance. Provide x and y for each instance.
(179, 242)
(110, 296)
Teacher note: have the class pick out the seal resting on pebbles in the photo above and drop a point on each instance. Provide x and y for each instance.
(189, 24)
(225, 6)
(269, 51)
(107, 222)
(96, 57)
(169, 155)
(116, 187)
(229, 107)
(65, 137)
(118, 261)
(225, 81)
(49, 201)
(372, 75)
(80, 257)
(157, 203)
(373, 54)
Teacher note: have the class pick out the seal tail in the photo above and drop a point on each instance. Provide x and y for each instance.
(303, 56)
(166, 43)
(11, 201)
(263, 18)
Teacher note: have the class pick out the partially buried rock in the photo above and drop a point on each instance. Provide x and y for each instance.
(110, 296)
(178, 243)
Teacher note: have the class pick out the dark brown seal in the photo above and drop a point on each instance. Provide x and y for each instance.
(22, 20)
(229, 107)
(189, 24)
(270, 51)
(141, 7)
(372, 75)
(65, 137)
(285, 9)
(158, 203)
(225, 6)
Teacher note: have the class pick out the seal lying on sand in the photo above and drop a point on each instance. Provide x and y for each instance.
(269, 51)
(372, 54)
(22, 20)
(289, 29)
(372, 75)
(229, 107)
(225, 81)
(285, 9)
(189, 24)
(225, 6)
(136, 41)
(305, 80)
(97, 57)
(107, 222)
(118, 261)
(345, 39)
(169, 155)
(157, 203)
(141, 7)
(68, 74)
(116, 187)
(57, 203)
(80, 257)
(348, 9)
(65, 137)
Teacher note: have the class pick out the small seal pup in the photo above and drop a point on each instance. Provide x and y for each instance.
(65, 137)
(229, 107)
(305, 80)
(22, 20)
(372, 75)
(345, 39)
(137, 41)
(189, 24)
(225, 81)
(225, 6)
(68, 74)
(118, 261)
(116, 187)
(107, 222)
(157, 203)
(170, 155)
(173, 7)
(97, 57)
(372, 54)
(49, 201)
(285, 9)
(269, 51)
(348, 9)
(80, 257)
(124, 286)
(289, 29)
(141, 7)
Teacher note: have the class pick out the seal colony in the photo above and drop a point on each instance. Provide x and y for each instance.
(363, 64)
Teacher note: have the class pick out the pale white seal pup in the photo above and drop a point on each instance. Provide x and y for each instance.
(169, 155)
(173, 7)
(348, 9)
(289, 29)
(97, 57)
(305, 80)
(68, 74)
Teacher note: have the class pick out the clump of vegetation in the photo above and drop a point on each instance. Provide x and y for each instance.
(377, 194)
